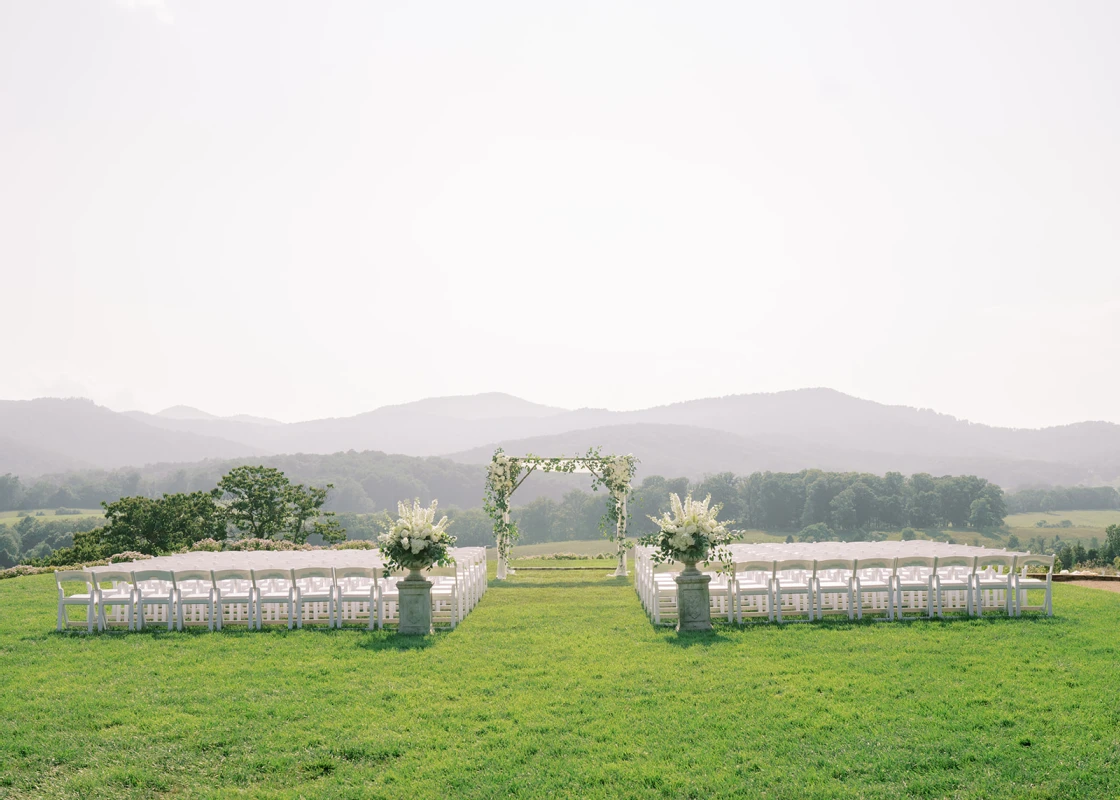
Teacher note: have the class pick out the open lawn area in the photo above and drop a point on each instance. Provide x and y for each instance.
(558, 686)
(1080, 519)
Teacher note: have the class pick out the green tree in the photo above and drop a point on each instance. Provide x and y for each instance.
(261, 502)
(980, 516)
(9, 547)
(256, 500)
(817, 532)
(843, 511)
(161, 525)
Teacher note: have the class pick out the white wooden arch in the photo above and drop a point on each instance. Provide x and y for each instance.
(507, 473)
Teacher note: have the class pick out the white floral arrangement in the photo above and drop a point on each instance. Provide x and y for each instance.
(617, 474)
(501, 474)
(416, 540)
(689, 531)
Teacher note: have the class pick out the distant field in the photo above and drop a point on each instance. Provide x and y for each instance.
(48, 513)
(1080, 519)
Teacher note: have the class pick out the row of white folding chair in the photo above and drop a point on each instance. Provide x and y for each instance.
(246, 596)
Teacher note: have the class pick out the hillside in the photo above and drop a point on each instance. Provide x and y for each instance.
(741, 433)
(82, 432)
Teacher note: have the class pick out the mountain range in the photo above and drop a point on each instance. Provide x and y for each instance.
(782, 431)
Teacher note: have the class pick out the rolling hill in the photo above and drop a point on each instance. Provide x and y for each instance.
(741, 433)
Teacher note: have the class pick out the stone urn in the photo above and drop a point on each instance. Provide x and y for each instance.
(415, 602)
(694, 611)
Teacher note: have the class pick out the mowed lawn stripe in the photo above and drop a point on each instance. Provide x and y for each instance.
(557, 685)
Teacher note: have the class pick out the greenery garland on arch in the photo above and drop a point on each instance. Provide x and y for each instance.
(612, 472)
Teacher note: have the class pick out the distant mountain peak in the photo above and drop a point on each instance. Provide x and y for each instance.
(488, 405)
(184, 412)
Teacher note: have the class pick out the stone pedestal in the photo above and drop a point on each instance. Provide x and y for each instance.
(693, 604)
(416, 604)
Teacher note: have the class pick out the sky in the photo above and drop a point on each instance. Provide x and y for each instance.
(301, 210)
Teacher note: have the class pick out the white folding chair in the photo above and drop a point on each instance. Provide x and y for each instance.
(314, 586)
(116, 601)
(67, 582)
(833, 578)
(753, 586)
(793, 587)
(274, 592)
(445, 597)
(234, 597)
(1024, 582)
(994, 583)
(356, 595)
(195, 588)
(953, 583)
(874, 578)
(155, 588)
(913, 584)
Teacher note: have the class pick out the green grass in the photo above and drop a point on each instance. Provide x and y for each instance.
(557, 686)
(1080, 519)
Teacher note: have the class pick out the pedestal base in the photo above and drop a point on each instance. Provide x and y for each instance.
(693, 605)
(415, 603)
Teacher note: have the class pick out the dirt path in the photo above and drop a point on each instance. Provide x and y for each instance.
(1109, 586)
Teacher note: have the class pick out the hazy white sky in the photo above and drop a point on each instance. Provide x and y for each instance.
(306, 210)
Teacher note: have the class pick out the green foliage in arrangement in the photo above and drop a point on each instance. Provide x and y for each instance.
(558, 686)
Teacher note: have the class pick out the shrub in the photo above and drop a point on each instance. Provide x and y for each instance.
(128, 555)
(817, 532)
(266, 544)
(355, 544)
(206, 545)
(66, 512)
(909, 534)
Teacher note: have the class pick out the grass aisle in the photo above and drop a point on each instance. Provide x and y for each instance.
(557, 686)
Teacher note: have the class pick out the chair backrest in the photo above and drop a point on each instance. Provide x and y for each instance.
(765, 567)
(231, 575)
(344, 573)
(1030, 559)
(1006, 560)
(313, 572)
(69, 576)
(956, 561)
(875, 563)
(794, 563)
(929, 562)
(204, 575)
(142, 575)
(271, 574)
(824, 564)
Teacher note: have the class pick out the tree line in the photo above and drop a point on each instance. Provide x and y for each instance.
(249, 502)
(813, 504)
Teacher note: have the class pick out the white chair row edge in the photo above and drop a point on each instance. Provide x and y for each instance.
(893, 586)
(331, 595)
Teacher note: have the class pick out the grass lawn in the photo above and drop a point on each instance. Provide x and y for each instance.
(557, 686)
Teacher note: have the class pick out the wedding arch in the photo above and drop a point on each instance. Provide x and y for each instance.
(507, 473)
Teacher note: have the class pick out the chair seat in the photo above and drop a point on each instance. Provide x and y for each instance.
(995, 583)
(1033, 583)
